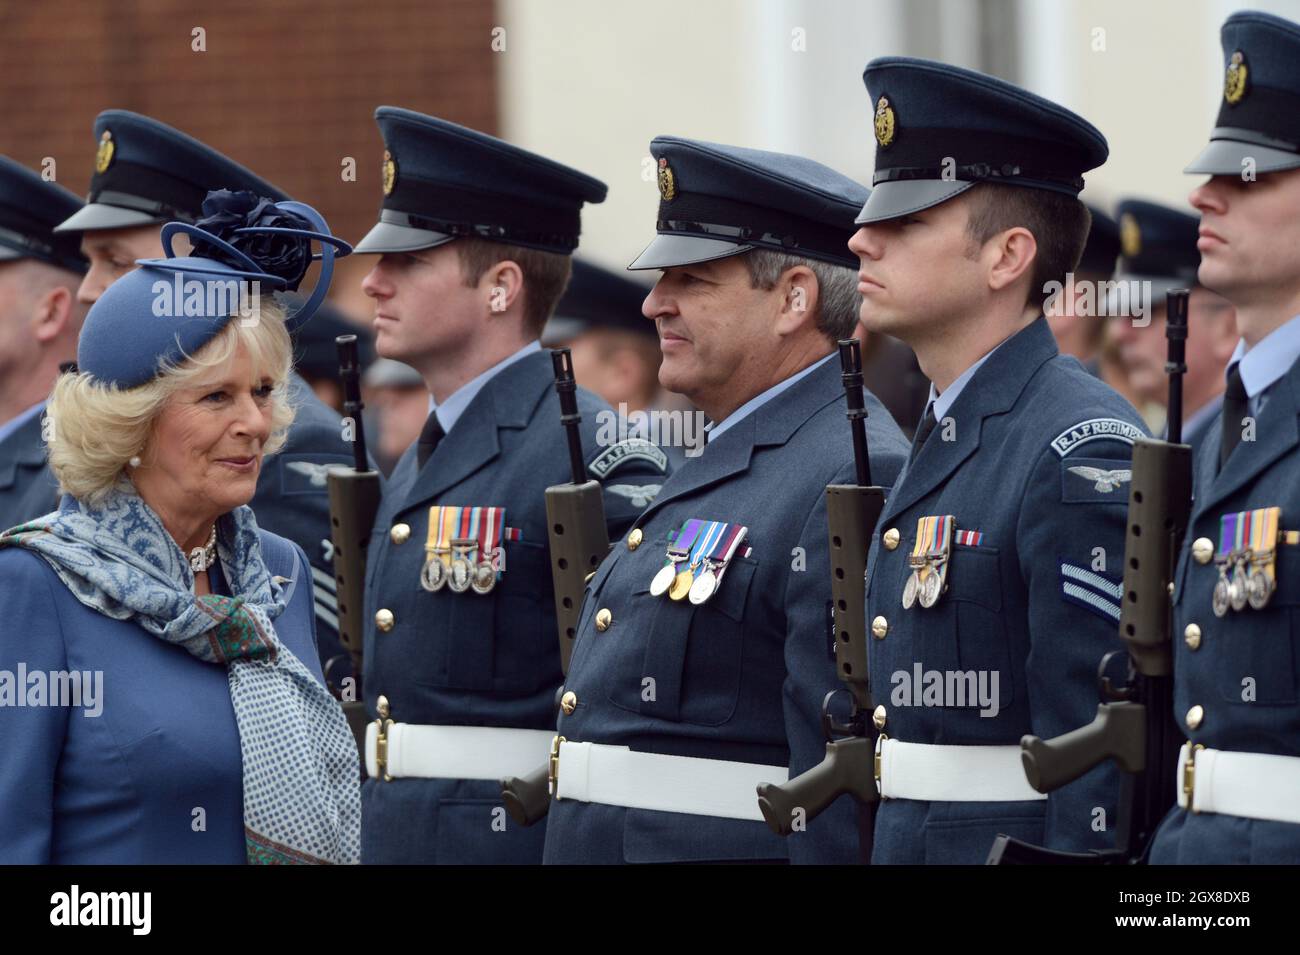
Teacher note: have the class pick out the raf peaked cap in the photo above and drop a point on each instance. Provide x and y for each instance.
(716, 201)
(146, 172)
(1259, 117)
(443, 181)
(30, 208)
(940, 129)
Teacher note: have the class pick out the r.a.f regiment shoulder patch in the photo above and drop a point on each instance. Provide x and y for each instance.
(629, 449)
(1095, 429)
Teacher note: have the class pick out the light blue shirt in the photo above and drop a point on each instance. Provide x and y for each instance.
(1268, 361)
(753, 404)
(943, 402)
(449, 411)
(13, 424)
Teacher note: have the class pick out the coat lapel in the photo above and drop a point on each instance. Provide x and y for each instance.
(994, 390)
(508, 400)
(1277, 432)
(771, 425)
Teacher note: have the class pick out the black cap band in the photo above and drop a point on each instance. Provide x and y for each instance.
(712, 217)
(554, 229)
(146, 189)
(1266, 117)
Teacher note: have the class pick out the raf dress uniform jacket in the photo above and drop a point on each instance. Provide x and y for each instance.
(1031, 463)
(741, 677)
(468, 659)
(292, 499)
(1244, 672)
(124, 786)
(27, 488)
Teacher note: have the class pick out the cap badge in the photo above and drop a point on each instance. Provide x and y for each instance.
(104, 152)
(1130, 236)
(884, 122)
(390, 172)
(1234, 81)
(667, 183)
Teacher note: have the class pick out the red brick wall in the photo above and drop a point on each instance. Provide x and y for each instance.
(287, 87)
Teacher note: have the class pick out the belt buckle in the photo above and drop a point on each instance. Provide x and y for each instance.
(1189, 773)
(553, 767)
(880, 739)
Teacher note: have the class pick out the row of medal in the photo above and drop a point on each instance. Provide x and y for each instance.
(464, 549)
(1246, 560)
(697, 558)
(929, 560)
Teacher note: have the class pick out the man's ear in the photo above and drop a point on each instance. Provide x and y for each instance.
(502, 285)
(1009, 257)
(800, 298)
(52, 314)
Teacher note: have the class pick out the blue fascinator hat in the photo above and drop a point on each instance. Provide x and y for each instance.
(244, 246)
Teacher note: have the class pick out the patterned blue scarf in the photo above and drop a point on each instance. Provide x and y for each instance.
(118, 559)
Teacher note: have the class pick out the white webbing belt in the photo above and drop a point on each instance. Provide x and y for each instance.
(936, 773)
(617, 776)
(1251, 785)
(458, 752)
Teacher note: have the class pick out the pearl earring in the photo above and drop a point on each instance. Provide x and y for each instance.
(135, 461)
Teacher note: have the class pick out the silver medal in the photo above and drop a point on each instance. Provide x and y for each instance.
(458, 579)
(485, 578)
(1237, 589)
(930, 589)
(704, 587)
(663, 580)
(909, 591)
(1219, 600)
(434, 574)
(1258, 589)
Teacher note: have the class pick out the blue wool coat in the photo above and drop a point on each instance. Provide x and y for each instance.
(1034, 601)
(1245, 672)
(465, 659)
(156, 777)
(741, 677)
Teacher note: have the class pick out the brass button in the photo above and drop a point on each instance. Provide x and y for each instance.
(878, 717)
(634, 539)
(603, 619)
(382, 707)
(891, 538)
(1195, 716)
(1192, 636)
(569, 703)
(384, 620)
(879, 627)
(1203, 550)
(400, 533)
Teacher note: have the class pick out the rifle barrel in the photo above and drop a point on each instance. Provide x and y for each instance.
(350, 373)
(567, 388)
(851, 375)
(1175, 366)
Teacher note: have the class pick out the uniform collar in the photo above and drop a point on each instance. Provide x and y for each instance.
(1270, 359)
(942, 402)
(715, 431)
(13, 424)
(449, 411)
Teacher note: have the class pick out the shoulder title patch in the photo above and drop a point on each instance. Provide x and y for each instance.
(630, 449)
(1095, 429)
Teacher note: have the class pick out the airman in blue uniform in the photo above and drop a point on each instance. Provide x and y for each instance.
(462, 657)
(705, 645)
(146, 174)
(1160, 254)
(39, 322)
(1237, 589)
(994, 573)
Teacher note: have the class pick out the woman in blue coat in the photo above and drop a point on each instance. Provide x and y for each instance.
(160, 695)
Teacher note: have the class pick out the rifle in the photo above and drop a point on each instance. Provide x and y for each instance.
(579, 538)
(354, 501)
(1135, 724)
(852, 511)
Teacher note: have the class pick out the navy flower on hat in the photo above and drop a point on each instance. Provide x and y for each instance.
(283, 255)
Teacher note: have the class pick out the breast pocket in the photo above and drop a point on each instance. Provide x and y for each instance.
(1255, 650)
(690, 668)
(975, 589)
(526, 654)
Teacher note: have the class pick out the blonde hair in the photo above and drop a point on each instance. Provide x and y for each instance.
(99, 428)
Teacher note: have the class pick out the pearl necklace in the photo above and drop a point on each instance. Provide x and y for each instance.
(201, 558)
